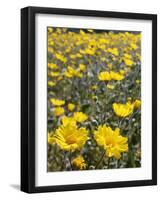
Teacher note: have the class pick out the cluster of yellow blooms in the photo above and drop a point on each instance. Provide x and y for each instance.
(59, 110)
(107, 76)
(124, 110)
(74, 63)
(87, 45)
(69, 137)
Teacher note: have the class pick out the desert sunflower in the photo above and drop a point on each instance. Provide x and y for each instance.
(111, 140)
(70, 138)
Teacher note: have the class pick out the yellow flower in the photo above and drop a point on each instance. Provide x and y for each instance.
(80, 117)
(104, 76)
(116, 76)
(52, 66)
(79, 162)
(82, 67)
(94, 87)
(123, 72)
(71, 106)
(57, 102)
(94, 97)
(90, 30)
(58, 111)
(123, 110)
(50, 30)
(61, 57)
(51, 139)
(113, 51)
(113, 143)
(82, 32)
(90, 51)
(137, 103)
(128, 56)
(51, 83)
(111, 87)
(134, 46)
(129, 99)
(72, 56)
(103, 41)
(68, 120)
(50, 50)
(138, 81)
(107, 76)
(103, 59)
(54, 74)
(71, 72)
(138, 56)
(70, 137)
(79, 55)
(110, 65)
(128, 62)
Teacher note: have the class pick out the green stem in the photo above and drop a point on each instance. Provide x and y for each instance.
(108, 163)
(70, 160)
(100, 160)
(118, 164)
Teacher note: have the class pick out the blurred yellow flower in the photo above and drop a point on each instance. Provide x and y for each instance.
(50, 30)
(52, 66)
(57, 102)
(113, 143)
(138, 81)
(90, 51)
(137, 103)
(71, 72)
(138, 56)
(90, 30)
(113, 51)
(107, 76)
(79, 162)
(71, 106)
(58, 111)
(70, 137)
(103, 41)
(104, 76)
(79, 55)
(94, 97)
(54, 74)
(51, 139)
(128, 56)
(94, 87)
(129, 99)
(60, 57)
(123, 72)
(123, 110)
(51, 83)
(82, 32)
(50, 50)
(72, 56)
(110, 65)
(128, 62)
(82, 67)
(134, 46)
(80, 117)
(68, 120)
(103, 59)
(116, 76)
(111, 87)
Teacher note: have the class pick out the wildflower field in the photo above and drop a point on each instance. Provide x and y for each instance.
(94, 99)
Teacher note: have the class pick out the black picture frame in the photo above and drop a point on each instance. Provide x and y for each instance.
(28, 98)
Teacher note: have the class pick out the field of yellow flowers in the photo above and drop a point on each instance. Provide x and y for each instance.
(94, 99)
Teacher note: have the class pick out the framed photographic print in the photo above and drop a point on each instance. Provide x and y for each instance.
(88, 99)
